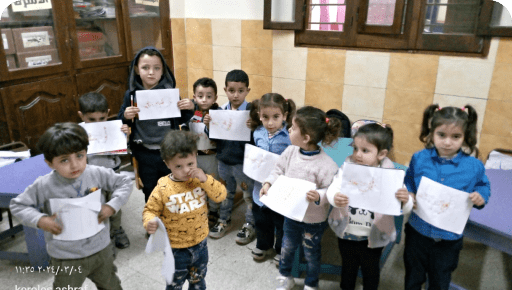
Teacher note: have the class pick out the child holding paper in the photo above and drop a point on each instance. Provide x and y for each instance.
(306, 160)
(64, 146)
(94, 108)
(270, 117)
(149, 71)
(179, 200)
(450, 136)
(363, 234)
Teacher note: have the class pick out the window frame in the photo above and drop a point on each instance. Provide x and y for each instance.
(296, 25)
(484, 28)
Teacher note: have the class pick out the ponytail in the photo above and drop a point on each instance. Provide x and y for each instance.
(426, 124)
(332, 132)
(289, 107)
(470, 134)
(254, 115)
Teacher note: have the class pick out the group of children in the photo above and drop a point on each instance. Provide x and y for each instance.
(186, 187)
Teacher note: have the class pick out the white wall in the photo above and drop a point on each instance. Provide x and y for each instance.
(217, 9)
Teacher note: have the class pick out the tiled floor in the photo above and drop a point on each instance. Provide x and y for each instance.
(231, 266)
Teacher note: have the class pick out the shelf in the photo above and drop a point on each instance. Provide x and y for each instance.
(145, 16)
(17, 24)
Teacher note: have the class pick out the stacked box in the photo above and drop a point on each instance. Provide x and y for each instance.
(11, 61)
(7, 41)
(32, 39)
(37, 58)
(91, 44)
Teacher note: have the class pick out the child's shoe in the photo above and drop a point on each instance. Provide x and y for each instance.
(121, 239)
(285, 283)
(220, 229)
(258, 255)
(306, 287)
(245, 235)
(277, 258)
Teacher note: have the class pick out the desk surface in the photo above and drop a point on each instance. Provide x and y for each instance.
(17, 176)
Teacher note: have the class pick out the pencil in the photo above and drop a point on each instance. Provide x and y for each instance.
(131, 99)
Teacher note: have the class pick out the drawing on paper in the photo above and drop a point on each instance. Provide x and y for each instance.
(225, 124)
(255, 161)
(35, 39)
(100, 137)
(362, 186)
(159, 104)
(432, 203)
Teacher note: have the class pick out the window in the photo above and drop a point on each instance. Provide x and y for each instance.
(450, 26)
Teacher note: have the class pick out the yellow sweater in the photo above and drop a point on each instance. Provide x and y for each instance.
(182, 207)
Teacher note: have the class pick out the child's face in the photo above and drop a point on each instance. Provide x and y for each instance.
(448, 139)
(181, 166)
(272, 118)
(204, 97)
(366, 153)
(94, 116)
(236, 93)
(69, 165)
(296, 136)
(150, 70)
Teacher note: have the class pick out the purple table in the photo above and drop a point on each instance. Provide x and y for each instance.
(15, 178)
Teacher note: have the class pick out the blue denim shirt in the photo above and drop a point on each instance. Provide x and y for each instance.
(463, 172)
(276, 144)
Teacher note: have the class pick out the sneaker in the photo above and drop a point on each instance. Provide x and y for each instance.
(246, 234)
(121, 239)
(277, 258)
(306, 287)
(258, 255)
(285, 283)
(220, 229)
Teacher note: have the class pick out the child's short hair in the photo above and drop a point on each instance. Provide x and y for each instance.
(93, 102)
(345, 121)
(272, 100)
(205, 83)
(380, 135)
(150, 52)
(314, 122)
(237, 75)
(61, 139)
(177, 142)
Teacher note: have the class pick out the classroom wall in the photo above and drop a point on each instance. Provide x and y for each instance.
(213, 37)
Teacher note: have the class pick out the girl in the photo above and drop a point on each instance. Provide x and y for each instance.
(363, 234)
(449, 135)
(269, 119)
(306, 160)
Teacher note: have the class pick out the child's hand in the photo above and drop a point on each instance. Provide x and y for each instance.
(105, 212)
(264, 189)
(49, 224)
(402, 195)
(185, 104)
(477, 199)
(151, 227)
(125, 129)
(340, 200)
(131, 112)
(197, 173)
(207, 119)
(313, 196)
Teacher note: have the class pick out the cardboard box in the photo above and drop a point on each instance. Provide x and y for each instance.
(32, 39)
(11, 61)
(37, 58)
(7, 41)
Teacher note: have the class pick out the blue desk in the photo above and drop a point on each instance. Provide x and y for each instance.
(15, 178)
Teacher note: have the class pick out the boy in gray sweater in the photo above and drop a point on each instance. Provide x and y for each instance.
(65, 147)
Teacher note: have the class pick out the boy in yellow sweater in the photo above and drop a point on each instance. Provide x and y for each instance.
(180, 201)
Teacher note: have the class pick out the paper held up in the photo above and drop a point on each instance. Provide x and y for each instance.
(158, 104)
(258, 163)
(287, 196)
(203, 143)
(372, 188)
(442, 206)
(105, 136)
(229, 125)
(159, 241)
(78, 216)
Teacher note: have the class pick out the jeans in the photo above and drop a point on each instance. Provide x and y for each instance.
(233, 174)
(191, 264)
(151, 168)
(268, 223)
(355, 254)
(310, 236)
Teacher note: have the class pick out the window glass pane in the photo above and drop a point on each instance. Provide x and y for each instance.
(381, 12)
(28, 35)
(96, 28)
(326, 15)
(500, 16)
(451, 16)
(283, 11)
(145, 24)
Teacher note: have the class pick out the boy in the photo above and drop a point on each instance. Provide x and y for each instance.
(230, 155)
(179, 199)
(94, 108)
(64, 146)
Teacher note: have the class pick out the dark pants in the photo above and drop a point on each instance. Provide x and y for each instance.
(191, 265)
(267, 223)
(151, 167)
(425, 256)
(355, 254)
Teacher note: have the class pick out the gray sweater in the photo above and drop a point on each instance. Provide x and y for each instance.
(34, 203)
(319, 169)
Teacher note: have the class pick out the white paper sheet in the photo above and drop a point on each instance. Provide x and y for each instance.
(372, 188)
(159, 241)
(258, 163)
(229, 125)
(15, 155)
(78, 216)
(105, 136)
(287, 196)
(158, 104)
(442, 206)
(203, 143)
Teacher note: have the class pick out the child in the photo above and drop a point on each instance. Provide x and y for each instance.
(148, 71)
(179, 200)
(64, 146)
(306, 160)
(230, 155)
(270, 116)
(94, 108)
(363, 234)
(430, 250)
